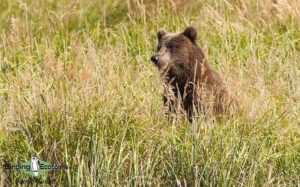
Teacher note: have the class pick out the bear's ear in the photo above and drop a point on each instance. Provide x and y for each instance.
(161, 33)
(191, 33)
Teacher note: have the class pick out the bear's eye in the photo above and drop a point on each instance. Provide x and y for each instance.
(158, 48)
(169, 46)
(172, 46)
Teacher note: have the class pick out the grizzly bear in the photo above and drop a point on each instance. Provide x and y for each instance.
(191, 84)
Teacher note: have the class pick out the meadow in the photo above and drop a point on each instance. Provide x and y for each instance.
(77, 87)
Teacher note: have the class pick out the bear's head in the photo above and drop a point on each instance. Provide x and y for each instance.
(176, 50)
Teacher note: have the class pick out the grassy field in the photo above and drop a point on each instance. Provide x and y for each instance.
(77, 87)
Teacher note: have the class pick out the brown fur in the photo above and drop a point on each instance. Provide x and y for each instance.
(191, 83)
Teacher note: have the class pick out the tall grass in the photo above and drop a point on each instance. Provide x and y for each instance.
(77, 87)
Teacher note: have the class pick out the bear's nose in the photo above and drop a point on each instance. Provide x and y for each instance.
(154, 59)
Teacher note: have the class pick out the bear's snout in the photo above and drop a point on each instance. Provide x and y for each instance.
(154, 59)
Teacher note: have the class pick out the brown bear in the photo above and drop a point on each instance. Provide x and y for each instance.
(191, 84)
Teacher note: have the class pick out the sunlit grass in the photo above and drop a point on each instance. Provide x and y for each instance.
(77, 87)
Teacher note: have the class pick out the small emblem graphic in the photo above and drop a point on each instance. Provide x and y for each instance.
(35, 165)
